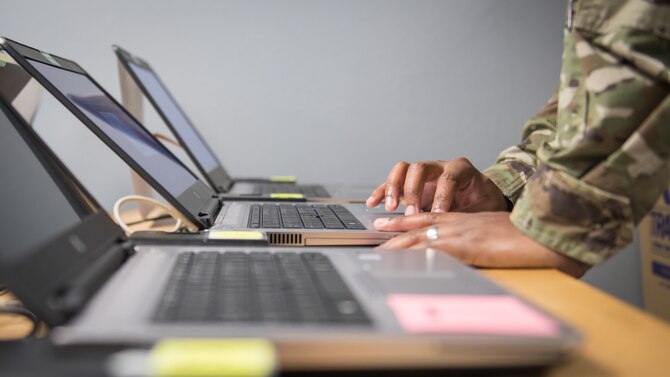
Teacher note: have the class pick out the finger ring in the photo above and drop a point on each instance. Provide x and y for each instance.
(431, 233)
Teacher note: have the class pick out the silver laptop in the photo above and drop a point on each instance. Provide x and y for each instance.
(286, 223)
(199, 151)
(65, 259)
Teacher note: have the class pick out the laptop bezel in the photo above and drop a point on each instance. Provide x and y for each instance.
(218, 177)
(188, 202)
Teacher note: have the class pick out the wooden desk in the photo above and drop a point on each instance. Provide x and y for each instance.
(619, 340)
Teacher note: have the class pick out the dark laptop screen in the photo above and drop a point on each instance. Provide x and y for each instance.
(133, 139)
(175, 116)
(34, 208)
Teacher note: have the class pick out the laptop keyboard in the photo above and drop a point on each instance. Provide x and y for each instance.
(302, 216)
(310, 191)
(257, 287)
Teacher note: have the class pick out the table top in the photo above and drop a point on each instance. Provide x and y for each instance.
(619, 340)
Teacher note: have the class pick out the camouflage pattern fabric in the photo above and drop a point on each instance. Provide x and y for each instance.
(594, 160)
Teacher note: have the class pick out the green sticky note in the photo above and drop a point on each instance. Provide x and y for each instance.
(286, 195)
(213, 357)
(243, 235)
(4, 59)
(50, 59)
(283, 178)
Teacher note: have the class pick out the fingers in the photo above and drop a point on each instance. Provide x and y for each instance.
(445, 191)
(420, 220)
(376, 196)
(394, 183)
(441, 182)
(446, 245)
(454, 174)
(404, 241)
(414, 183)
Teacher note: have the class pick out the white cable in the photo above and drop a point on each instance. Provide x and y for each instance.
(150, 201)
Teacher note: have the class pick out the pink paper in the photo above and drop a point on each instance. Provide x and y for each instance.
(469, 314)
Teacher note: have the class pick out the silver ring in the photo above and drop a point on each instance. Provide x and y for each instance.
(431, 233)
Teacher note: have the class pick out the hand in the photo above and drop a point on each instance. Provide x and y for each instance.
(487, 239)
(438, 186)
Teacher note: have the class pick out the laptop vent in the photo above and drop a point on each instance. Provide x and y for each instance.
(285, 239)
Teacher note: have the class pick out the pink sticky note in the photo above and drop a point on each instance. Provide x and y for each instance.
(469, 314)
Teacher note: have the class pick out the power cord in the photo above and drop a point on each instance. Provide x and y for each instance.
(181, 224)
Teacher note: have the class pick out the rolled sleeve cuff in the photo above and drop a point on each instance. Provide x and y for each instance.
(509, 177)
(573, 218)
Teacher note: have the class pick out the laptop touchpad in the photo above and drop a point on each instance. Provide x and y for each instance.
(441, 284)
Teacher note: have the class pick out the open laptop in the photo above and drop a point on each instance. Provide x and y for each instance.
(287, 223)
(65, 259)
(199, 151)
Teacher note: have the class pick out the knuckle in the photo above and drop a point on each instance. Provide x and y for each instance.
(448, 176)
(462, 161)
(411, 193)
(415, 235)
(400, 164)
(420, 165)
(441, 198)
(433, 216)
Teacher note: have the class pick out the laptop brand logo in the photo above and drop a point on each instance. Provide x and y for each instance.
(78, 244)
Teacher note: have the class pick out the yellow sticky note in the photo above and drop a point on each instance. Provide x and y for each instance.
(212, 357)
(283, 178)
(235, 235)
(286, 195)
(4, 58)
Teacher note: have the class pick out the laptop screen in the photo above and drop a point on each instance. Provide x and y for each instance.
(175, 117)
(34, 208)
(126, 133)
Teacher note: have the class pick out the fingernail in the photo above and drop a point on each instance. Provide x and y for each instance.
(389, 201)
(368, 201)
(410, 210)
(437, 209)
(381, 221)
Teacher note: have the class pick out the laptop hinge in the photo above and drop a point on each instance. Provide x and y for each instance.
(208, 211)
(77, 291)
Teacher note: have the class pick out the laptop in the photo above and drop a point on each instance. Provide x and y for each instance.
(353, 308)
(199, 151)
(286, 223)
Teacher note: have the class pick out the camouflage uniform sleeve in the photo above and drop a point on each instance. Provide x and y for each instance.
(516, 164)
(608, 161)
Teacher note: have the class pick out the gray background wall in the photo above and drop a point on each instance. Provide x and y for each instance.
(352, 86)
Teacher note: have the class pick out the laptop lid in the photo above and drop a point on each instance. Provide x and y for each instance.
(117, 128)
(175, 118)
(56, 240)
